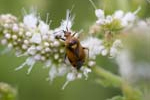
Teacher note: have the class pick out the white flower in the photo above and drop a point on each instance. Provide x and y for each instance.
(3, 41)
(113, 51)
(93, 45)
(48, 63)
(118, 14)
(70, 77)
(99, 13)
(37, 57)
(104, 52)
(129, 17)
(36, 38)
(28, 34)
(52, 73)
(30, 62)
(68, 22)
(7, 36)
(108, 19)
(86, 71)
(15, 28)
(62, 70)
(30, 21)
(31, 50)
(43, 27)
(91, 63)
(117, 43)
(100, 21)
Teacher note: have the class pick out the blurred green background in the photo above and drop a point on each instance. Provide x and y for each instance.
(35, 86)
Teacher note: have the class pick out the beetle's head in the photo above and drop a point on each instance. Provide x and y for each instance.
(67, 33)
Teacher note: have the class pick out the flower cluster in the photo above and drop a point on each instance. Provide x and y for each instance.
(34, 39)
(109, 26)
(115, 21)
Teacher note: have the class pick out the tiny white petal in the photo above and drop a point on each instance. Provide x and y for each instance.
(14, 37)
(38, 48)
(56, 43)
(20, 33)
(99, 13)
(52, 73)
(30, 62)
(113, 52)
(3, 41)
(104, 52)
(31, 50)
(93, 45)
(129, 17)
(7, 36)
(43, 27)
(118, 14)
(44, 37)
(62, 50)
(62, 70)
(30, 20)
(36, 38)
(100, 21)
(15, 28)
(48, 63)
(26, 42)
(10, 45)
(101, 47)
(56, 56)
(108, 19)
(71, 76)
(86, 71)
(24, 46)
(29, 34)
(46, 44)
(43, 58)
(47, 49)
(117, 43)
(91, 63)
(37, 57)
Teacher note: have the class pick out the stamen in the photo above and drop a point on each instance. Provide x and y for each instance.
(24, 54)
(21, 66)
(139, 8)
(64, 86)
(47, 17)
(30, 68)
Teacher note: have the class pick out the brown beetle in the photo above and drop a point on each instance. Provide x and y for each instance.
(74, 50)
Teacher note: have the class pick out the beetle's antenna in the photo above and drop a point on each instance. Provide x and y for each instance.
(58, 31)
(93, 4)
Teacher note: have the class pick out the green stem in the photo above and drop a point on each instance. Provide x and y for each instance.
(108, 76)
(109, 79)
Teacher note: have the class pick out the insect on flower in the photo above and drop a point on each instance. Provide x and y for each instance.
(75, 52)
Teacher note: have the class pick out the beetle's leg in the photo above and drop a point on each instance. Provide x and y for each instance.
(87, 50)
(74, 34)
(79, 65)
(65, 58)
(63, 39)
(58, 37)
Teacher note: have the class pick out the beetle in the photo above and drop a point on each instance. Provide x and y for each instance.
(75, 52)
